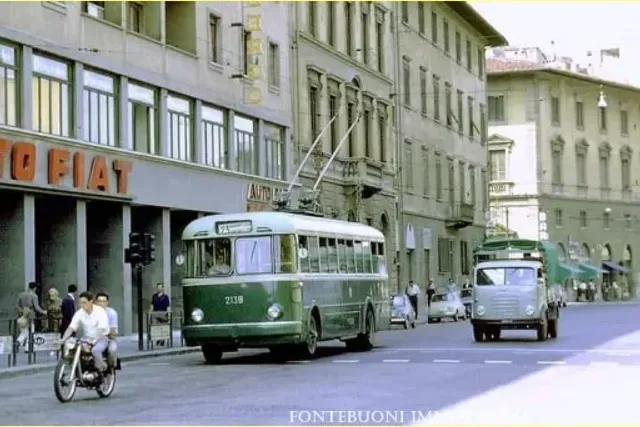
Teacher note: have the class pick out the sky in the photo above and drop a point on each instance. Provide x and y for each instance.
(575, 27)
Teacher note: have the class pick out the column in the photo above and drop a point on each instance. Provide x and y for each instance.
(81, 245)
(163, 136)
(26, 88)
(289, 167)
(262, 149)
(325, 144)
(78, 99)
(231, 146)
(165, 256)
(13, 251)
(198, 134)
(123, 114)
(127, 304)
(29, 224)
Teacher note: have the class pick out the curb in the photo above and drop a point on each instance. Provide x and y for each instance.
(35, 369)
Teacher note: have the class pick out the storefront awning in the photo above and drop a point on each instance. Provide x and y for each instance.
(566, 270)
(615, 267)
(590, 270)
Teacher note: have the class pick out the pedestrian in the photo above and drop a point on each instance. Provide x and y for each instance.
(592, 290)
(27, 305)
(68, 307)
(412, 292)
(452, 286)
(467, 284)
(160, 305)
(431, 290)
(582, 291)
(54, 311)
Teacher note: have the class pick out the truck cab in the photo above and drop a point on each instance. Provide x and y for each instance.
(512, 289)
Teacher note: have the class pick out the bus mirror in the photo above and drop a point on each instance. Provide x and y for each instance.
(180, 259)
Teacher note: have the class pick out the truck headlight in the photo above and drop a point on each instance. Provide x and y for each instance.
(274, 312)
(530, 310)
(480, 310)
(197, 315)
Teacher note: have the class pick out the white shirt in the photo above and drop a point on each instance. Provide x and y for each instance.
(88, 325)
(112, 315)
(413, 290)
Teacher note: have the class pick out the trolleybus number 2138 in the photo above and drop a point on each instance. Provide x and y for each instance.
(282, 281)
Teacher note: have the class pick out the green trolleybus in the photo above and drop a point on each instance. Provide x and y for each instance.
(284, 282)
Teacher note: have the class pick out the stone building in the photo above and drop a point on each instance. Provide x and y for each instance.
(121, 116)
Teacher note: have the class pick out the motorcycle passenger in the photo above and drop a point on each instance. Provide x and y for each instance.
(90, 323)
(102, 299)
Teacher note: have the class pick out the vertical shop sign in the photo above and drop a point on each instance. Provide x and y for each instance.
(254, 51)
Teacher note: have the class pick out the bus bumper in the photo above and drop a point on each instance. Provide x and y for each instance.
(255, 334)
(507, 323)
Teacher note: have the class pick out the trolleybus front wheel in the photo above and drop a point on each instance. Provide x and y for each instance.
(307, 349)
(212, 354)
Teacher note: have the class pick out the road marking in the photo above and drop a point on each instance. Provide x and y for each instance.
(551, 362)
(514, 350)
(346, 361)
(298, 361)
(498, 362)
(159, 364)
(445, 361)
(395, 361)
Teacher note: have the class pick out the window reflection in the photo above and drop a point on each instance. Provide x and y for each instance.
(213, 139)
(50, 96)
(244, 142)
(142, 119)
(274, 151)
(99, 108)
(179, 115)
(8, 86)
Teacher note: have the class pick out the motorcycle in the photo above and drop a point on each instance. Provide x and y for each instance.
(82, 372)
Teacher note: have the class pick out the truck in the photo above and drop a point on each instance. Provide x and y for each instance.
(514, 287)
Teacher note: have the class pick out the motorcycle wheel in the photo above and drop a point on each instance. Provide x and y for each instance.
(108, 384)
(64, 392)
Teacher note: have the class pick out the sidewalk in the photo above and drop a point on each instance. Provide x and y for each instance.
(127, 351)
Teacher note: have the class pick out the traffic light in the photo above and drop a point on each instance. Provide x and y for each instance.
(149, 248)
(133, 254)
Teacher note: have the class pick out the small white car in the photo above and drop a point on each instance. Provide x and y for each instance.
(446, 306)
(402, 312)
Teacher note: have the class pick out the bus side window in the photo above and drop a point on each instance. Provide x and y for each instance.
(324, 255)
(358, 249)
(351, 262)
(374, 257)
(314, 255)
(285, 250)
(342, 256)
(333, 256)
(366, 257)
(303, 243)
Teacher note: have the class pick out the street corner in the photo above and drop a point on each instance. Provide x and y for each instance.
(24, 370)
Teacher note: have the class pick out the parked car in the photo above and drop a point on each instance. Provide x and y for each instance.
(446, 306)
(402, 312)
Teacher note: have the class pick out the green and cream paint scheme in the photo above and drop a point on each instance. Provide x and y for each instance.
(562, 163)
(282, 281)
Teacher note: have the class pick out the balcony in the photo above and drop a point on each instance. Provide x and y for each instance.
(501, 188)
(366, 173)
(460, 215)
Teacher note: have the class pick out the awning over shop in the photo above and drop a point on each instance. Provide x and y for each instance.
(590, 270)
(566, 270)
(615, 267)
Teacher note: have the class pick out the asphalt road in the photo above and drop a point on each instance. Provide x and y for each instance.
(435, 368)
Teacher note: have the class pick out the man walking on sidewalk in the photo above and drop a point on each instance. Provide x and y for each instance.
(431, 290)
(412, 292)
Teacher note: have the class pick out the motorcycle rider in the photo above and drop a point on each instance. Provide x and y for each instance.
(90, 323)
(102, 299)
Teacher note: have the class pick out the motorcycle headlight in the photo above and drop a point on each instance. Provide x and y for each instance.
(274, 312)
(197, 315)
(529, 310)
(480, 310)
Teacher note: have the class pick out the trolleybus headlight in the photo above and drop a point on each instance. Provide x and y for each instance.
(197, 315)
(274, 312)
(530, 310)
(480, 310)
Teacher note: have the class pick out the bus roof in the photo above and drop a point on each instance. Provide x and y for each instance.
(279, 222)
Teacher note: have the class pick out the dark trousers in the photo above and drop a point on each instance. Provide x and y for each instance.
(429, 295)
(413, 299)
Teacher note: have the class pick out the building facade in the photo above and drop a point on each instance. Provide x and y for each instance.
(343, 74)
(442, 129)
(561, 149)
(119, 117)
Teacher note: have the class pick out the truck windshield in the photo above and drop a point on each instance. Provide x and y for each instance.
(208, 257)
(509, 276)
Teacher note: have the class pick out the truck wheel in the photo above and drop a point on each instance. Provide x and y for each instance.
(478, 334)
(543, 328)
(553, 328)
(212, 354)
